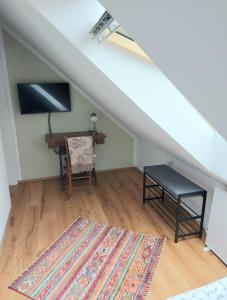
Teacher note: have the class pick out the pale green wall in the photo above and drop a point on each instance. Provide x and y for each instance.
(36, 159)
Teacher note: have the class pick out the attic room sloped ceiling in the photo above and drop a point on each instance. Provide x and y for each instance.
(127, 87)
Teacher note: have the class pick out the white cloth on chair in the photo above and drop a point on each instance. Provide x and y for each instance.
(81, 153)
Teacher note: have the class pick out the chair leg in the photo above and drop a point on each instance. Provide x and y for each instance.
(90, 178)
(69, 186)
(94, 177)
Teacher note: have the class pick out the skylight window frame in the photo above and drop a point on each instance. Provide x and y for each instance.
(104, 25)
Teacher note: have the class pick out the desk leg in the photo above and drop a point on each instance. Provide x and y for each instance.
(94, 176)
(60, 155)
(144, 182)
(202, 215)
(177, 219)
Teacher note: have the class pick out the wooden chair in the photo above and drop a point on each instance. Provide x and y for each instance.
(79, 159)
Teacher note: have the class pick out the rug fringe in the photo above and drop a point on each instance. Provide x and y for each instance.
(26, 270)
(11, 288)
(153, 273)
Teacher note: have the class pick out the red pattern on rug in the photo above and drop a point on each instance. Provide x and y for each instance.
(92, 261)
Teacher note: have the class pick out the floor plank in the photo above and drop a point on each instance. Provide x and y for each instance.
(41, 212)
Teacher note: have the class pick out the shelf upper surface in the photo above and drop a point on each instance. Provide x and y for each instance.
(172, 181)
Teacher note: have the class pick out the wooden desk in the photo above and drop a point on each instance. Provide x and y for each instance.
(56, 141)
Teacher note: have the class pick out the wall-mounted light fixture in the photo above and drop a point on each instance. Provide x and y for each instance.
(93, 119)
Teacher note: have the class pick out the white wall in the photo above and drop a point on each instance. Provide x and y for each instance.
(5, 203)
(7, 123)
(24, 66)
(217, 234)
(150, 154)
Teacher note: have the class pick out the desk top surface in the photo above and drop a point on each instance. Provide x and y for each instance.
(173, 182)
(58, 139)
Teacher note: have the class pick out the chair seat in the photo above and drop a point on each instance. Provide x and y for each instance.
(76, 169)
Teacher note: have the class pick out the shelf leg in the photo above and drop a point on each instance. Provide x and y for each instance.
(202, 215)
(163, 195)
(177, 219)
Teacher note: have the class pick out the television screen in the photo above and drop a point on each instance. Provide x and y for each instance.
(37, 98)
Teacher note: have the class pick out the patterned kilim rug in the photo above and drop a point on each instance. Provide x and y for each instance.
(92, 261)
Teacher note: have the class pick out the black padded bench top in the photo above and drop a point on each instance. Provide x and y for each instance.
(173, 182)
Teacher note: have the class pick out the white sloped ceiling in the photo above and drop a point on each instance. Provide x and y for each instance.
(133, 91)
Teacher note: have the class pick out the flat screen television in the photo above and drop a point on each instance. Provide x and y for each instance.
(37, 98)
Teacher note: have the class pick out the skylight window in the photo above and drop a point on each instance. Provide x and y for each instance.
(105, 26)
(110, 29)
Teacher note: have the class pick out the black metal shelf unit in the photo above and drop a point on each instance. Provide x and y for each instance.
(181, 218)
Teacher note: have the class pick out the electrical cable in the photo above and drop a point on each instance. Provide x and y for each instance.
(50, 132)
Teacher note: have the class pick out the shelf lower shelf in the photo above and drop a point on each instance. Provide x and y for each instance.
(166, 206)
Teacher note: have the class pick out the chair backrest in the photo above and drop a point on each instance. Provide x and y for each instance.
(81, 153)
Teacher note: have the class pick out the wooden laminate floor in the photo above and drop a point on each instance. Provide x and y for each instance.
(41, 212)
